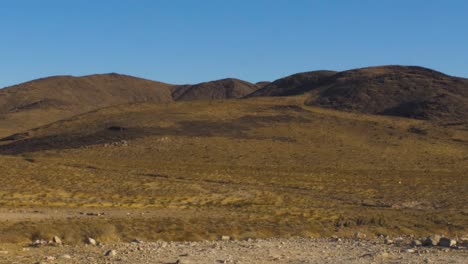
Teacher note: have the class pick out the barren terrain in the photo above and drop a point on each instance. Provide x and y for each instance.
(277, 176)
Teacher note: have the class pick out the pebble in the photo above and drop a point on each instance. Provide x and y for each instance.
(110, 253)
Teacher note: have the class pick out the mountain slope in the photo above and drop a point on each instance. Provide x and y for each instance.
(46, 100)
(295, 84)
(220, 89)
(271, 165)
(405, 91)
(83, 93)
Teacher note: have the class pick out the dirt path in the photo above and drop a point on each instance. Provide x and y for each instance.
(296, 250)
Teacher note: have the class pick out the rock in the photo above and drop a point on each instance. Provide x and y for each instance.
(110, 253)
(49, 258)
(91, 241)
(56, 240)
(431, 241)
(388, 241)
(416, 243)
(136, 241)
(225, 238)
(38, 242)
(410, 250)
(447, 242)
(65, 256)
(3, 252)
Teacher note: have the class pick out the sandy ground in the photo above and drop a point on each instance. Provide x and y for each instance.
(297, 250)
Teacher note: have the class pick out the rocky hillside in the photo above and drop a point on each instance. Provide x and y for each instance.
(220, 89)
(405, 91)
(295, 84)
(80, 94)
(413, 92)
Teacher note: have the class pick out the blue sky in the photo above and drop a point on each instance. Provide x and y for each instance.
(179, 41)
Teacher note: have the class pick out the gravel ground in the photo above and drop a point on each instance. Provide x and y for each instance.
(295, 250)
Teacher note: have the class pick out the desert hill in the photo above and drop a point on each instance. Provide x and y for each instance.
(82, 93)
(405, 91)
(220, 89)
(46, 100)
(262, 84)
(295, 84)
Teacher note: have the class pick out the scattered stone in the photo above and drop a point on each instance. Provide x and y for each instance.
(431, 241)
(110, 253)
(410, 250)
(388, 241)
(447, 242)
(225, 238)
(137, 241)
(91, 241)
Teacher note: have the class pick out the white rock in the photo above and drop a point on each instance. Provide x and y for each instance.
(65, 256)
(90, 241)
(225, 238)
(56, 240)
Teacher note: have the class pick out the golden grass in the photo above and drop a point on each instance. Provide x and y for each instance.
(255, 168)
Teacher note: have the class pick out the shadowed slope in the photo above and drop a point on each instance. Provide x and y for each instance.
(295, 84)
(406, 91)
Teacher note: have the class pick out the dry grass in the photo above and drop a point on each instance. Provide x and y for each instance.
(251, 168)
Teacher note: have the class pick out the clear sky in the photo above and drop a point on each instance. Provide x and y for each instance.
(179, 41)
